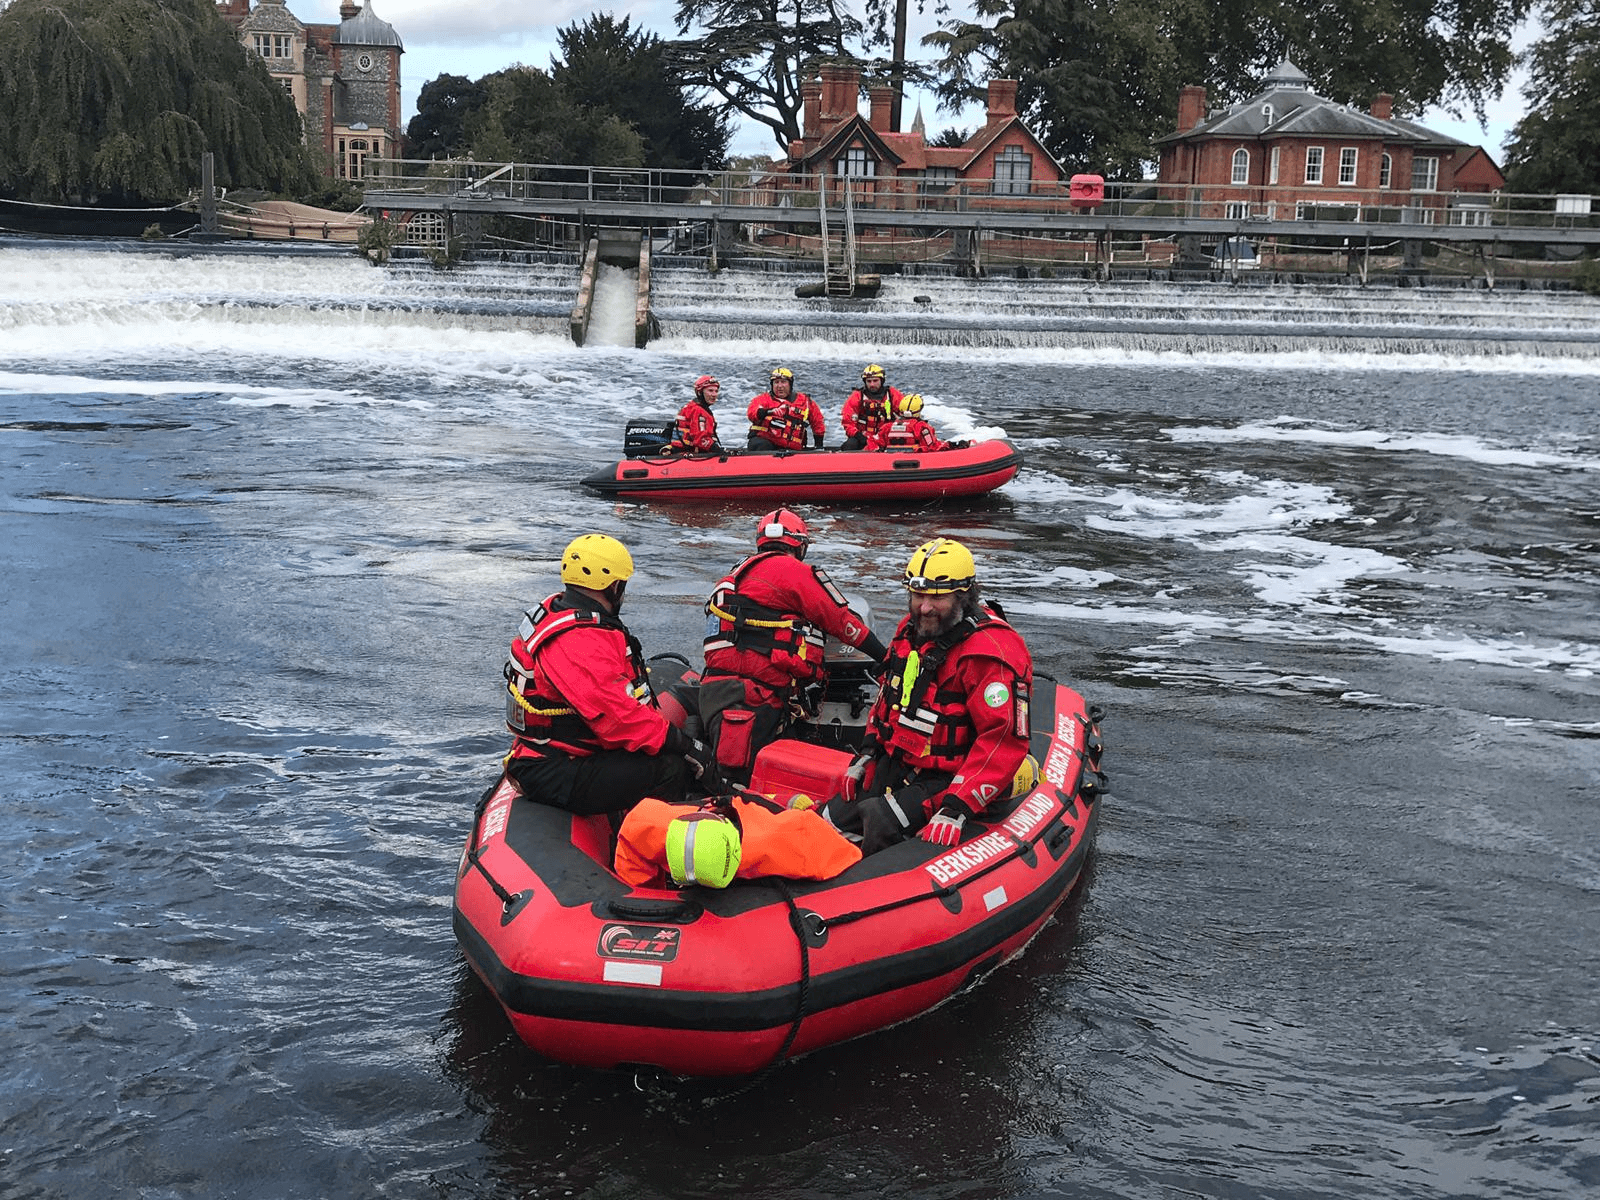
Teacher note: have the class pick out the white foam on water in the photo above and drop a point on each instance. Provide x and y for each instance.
(1293, 429)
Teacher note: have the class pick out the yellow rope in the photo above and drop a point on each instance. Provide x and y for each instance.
(727, 616)
(537, 712)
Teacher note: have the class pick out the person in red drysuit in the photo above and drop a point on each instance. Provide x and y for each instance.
(765, 629)
(909, 431)
(869, 406)
(696, 429)
(779, 416)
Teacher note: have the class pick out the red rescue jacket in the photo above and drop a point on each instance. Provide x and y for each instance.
(784, 422)
(863, 413)
(577, 683)
(957, 704)
(906, 433)
(696, 430)
(767, 617)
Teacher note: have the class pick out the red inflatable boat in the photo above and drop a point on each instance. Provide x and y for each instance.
(703, 982)
(811, 475)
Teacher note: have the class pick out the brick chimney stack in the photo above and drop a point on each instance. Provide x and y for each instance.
(882, 101)
(810, 108)
(348, 11)
(1191, 108)
(841, 94)
(1002, 99)
(1383, 106)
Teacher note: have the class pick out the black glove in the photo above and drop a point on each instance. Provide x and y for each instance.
(700, 758)
(874, 649)
(883, 823)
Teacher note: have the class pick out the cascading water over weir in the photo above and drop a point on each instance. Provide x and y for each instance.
(613, 301)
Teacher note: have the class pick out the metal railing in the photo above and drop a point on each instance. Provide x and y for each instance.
(464, 182)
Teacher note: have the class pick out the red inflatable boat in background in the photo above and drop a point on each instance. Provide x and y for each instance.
(701, 982)
(807, 476)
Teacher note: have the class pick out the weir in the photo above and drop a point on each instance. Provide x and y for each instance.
(629, 250)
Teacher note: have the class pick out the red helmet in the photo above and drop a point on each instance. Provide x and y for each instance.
(784, 528)
(701, 384)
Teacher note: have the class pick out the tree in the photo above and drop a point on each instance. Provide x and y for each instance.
(607, 67)
(1556, 147)
(118, 99)
(444, 107)
(1100, 78)
(756, 53)
(526, 118)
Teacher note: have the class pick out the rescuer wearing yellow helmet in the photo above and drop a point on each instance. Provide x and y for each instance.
(780, 416)
(588, 736)
(872, 404)
(949, 729)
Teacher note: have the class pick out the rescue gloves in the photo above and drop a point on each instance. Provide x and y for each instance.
(945, 828)
(702, 761)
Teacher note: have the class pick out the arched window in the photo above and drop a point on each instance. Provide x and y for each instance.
(1241, 165)
(1385, 170)
(1266, 113)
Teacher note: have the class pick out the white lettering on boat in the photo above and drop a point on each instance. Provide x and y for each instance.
(1066, 730)
(973, 854)
(1056, 765)
(1029, 814)
(498, 812)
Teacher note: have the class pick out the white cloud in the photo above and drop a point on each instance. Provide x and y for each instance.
(459, 22)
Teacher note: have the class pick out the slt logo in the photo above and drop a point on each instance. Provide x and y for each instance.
(651, 943)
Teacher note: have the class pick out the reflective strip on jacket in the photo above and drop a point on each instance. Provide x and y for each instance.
(789, 843)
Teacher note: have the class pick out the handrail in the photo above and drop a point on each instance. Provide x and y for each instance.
(465, 180)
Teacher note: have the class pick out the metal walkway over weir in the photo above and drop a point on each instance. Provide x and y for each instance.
(780, 205)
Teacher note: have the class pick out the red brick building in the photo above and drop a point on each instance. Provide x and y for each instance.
(1003, 158)
(1287, 153)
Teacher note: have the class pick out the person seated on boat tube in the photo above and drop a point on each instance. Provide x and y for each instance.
(780, 416)
(588, 735)
(949, 728)
(909, 431)
(744, 836)
(869, 406)
(696, 428)
(766, 623)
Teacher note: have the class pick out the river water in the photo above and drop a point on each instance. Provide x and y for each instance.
(1327, 557)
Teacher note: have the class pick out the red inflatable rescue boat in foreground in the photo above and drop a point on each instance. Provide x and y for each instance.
(700, 982)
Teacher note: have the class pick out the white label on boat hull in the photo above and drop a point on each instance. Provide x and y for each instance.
(994, 898)
(648, 974)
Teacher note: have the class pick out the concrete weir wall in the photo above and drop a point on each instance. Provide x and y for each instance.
(621, 248)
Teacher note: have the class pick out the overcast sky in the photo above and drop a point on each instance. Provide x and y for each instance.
(472, 39)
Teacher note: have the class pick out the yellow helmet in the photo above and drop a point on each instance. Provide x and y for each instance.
(782, 373)
(942, 565)
(596, 561)
(872, 369)
(911, 405)
(703, 848)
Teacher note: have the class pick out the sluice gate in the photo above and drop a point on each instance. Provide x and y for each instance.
(630, 250)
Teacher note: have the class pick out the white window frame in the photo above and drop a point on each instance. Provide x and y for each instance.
(1424, 173)
(1238, 210)
(1471, 214)
(1314, 157)
(1300, 206)
(1013, 172)
(1385, 170)
(1272, 172)
(855, 163)
(1241, 166)
(1349, 163)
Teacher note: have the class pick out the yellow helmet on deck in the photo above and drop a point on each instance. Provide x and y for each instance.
(911, 406)
(594, 560)
(942, 565)
(703, 848)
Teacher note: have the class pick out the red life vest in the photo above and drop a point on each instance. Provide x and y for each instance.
(736, 623)
(542, 722)
(924, 720)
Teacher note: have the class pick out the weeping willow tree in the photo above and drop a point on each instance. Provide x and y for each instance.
(115, 101)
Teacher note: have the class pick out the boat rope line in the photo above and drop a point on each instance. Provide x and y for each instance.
(797, 922)
(536, 712)
(474, 854)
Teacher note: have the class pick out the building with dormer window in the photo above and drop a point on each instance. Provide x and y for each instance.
(1003, 157)
(1288, 154)
(344, 78)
